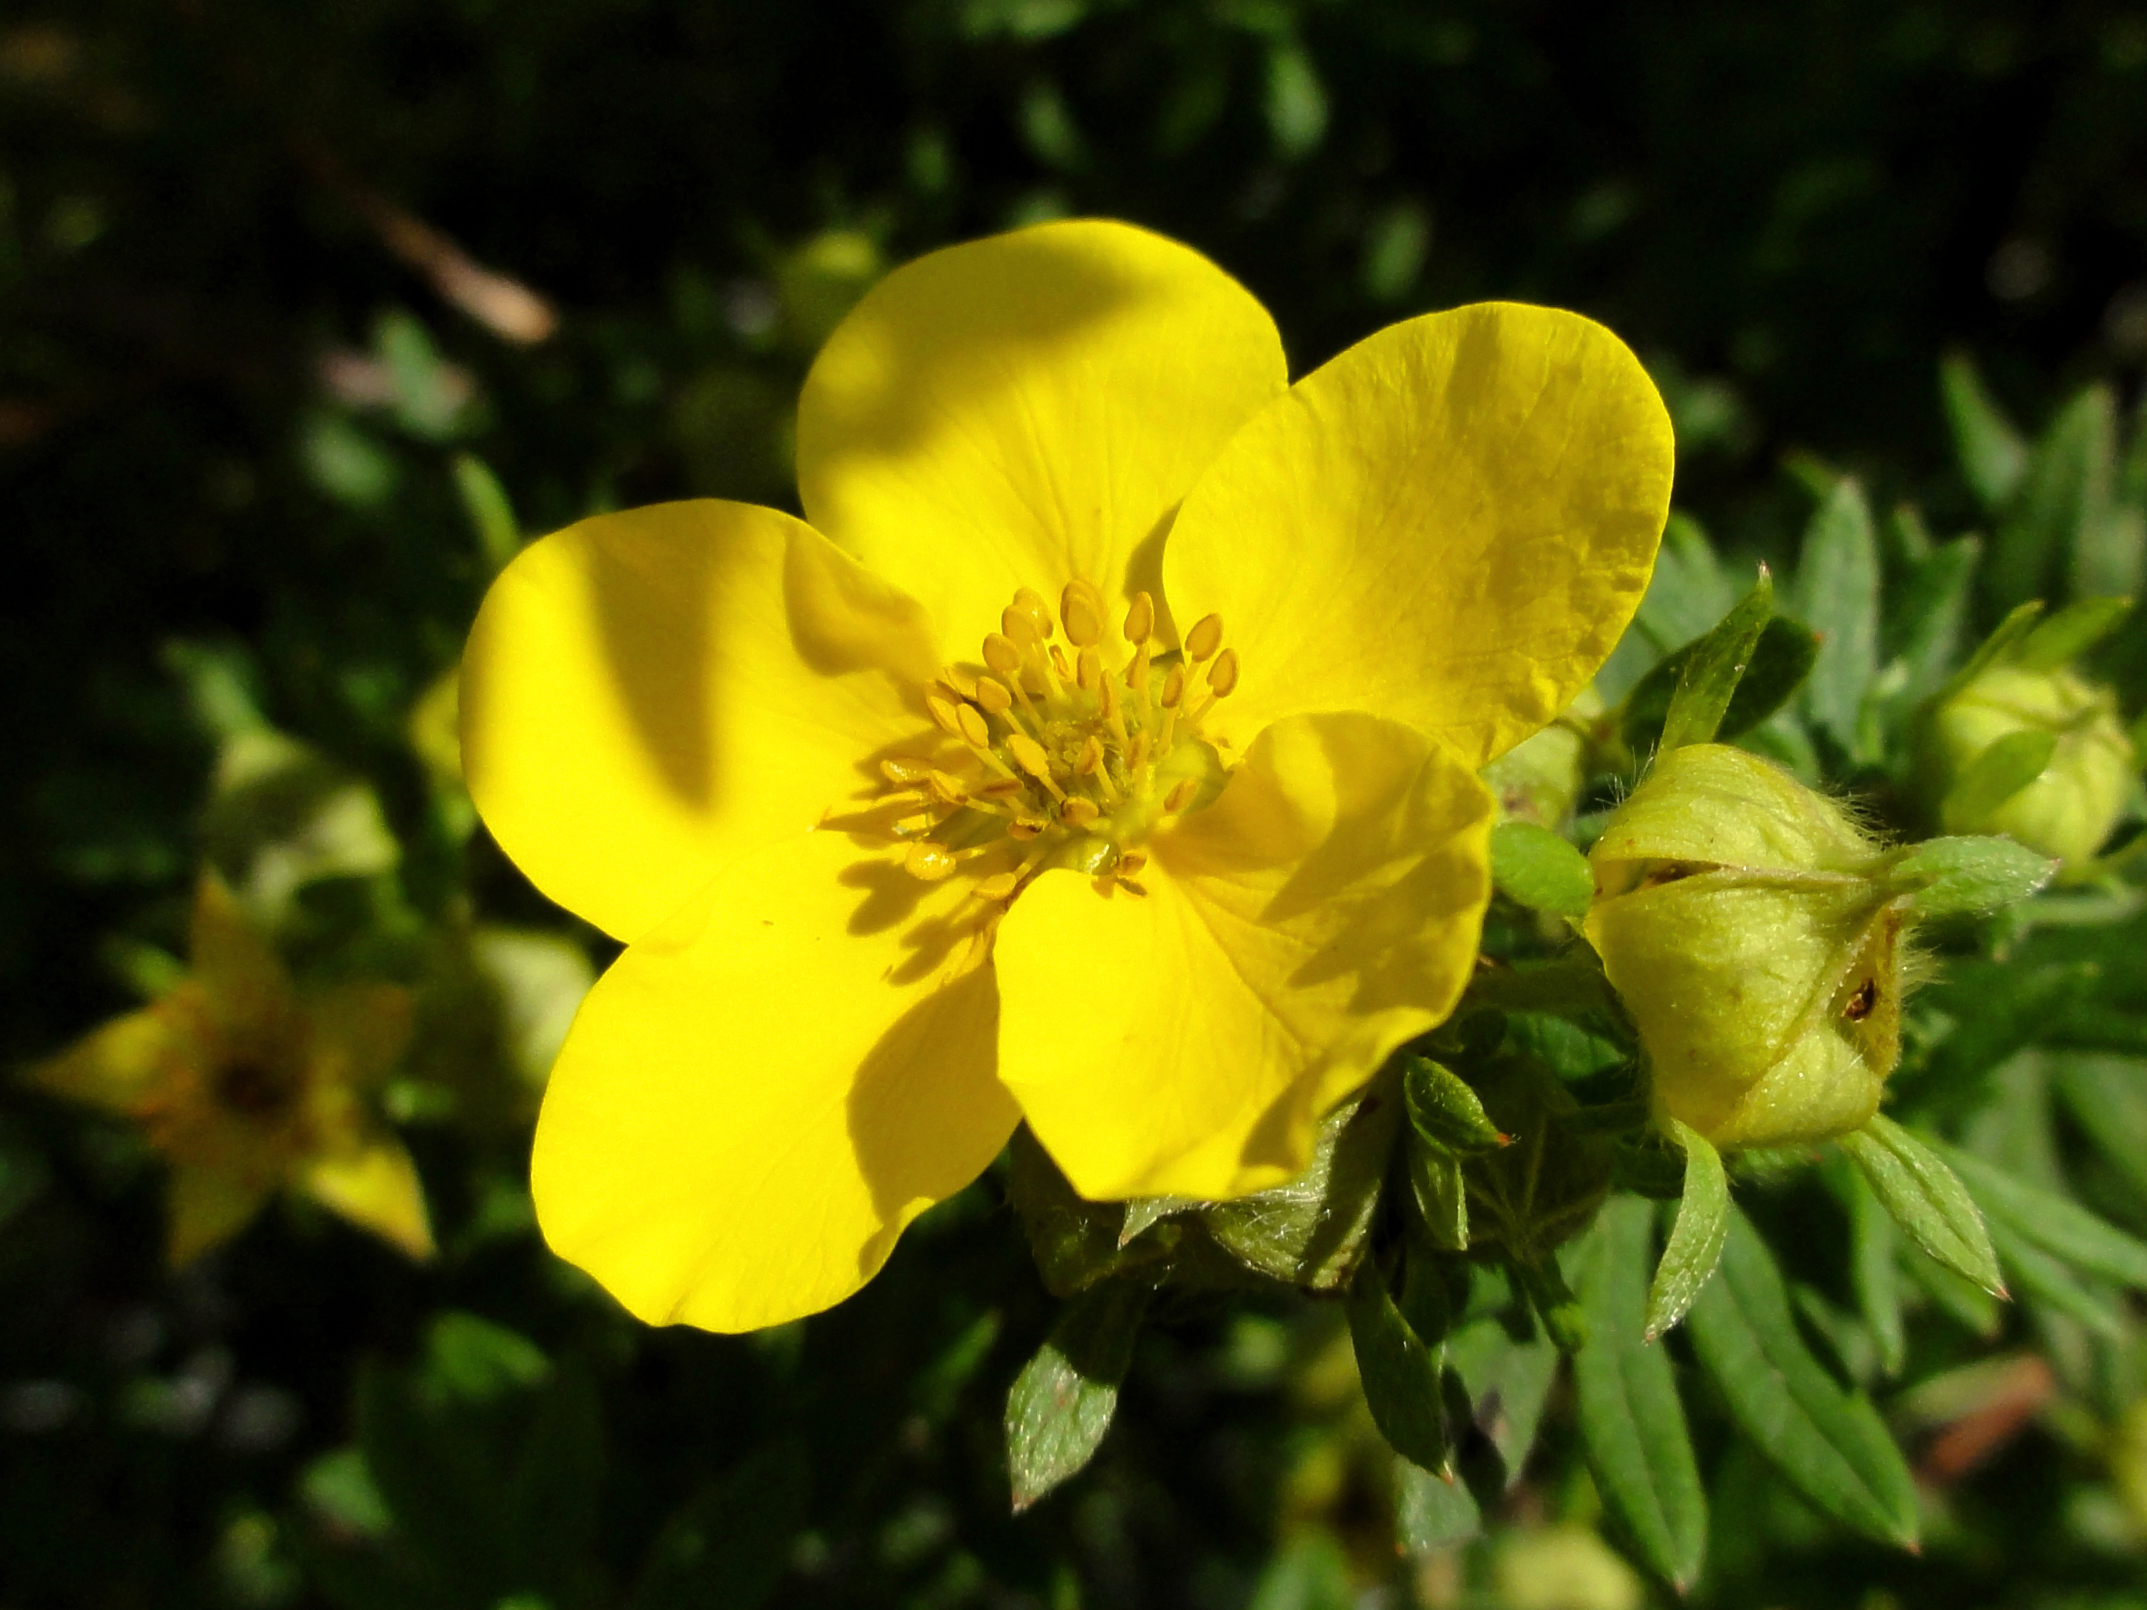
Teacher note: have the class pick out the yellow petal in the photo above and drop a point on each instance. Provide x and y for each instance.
(115, 1065)
(359, 1031)
(1449, 525)
(375, 1186)
(755, 1101)
(1022, 410)
(648, 695)
(1324, 910)
(243, 982)
(206, 1208)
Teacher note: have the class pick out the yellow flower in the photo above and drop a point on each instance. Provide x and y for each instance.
(249, 1087)
(1101, 754)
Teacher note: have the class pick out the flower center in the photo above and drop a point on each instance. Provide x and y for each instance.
(1067, 747)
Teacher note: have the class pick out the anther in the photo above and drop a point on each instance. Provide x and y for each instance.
(948, 790)
(1078, 812)
(1059, 663)
(1081, 611)
(1031, 603)
(992, 694)
(1091, 756)
(1223, 674)
(1130, 863)
(1141, 619)
(942, 712)
(903, 771)
(971, 720)
(1002, 654)
(1001, 886)
(1137, 672)
(1026, 827)
(1088, 669)
(928, 861)
(1205, 637)
(1029, 755)
(1180, 796)
(1173, 687)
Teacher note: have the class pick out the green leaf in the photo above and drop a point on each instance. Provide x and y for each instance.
(1873, 1271)
(1310, 1231)
(1995, 776)
(1064, 1398)
(2009, 632)
(439, 1483)
(2107, 1097)
(556, 1492)
(2071, 632)
(1708, 680)
(1399, 1372)
(1838, 596)
(1432, 1512)
(1954, 876)
(1925, 1199)
(1445, 1109)
(2054, 520)
(2047, 1282)
(1695, 1245)
(1296, 101)
(1932, 613)
(1829, 1443)
(730, 1543)
(1507, 1383)
(1534, 867)
(1990, 451)
(1688, 593)
(1439, 1194)
(1631, 1422)
(484, 500)
(1780, 662)
(2054, 1223)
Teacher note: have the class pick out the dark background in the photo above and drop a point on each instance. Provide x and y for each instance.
(1790, 210)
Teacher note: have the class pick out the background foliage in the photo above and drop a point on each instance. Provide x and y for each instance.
(306, 312)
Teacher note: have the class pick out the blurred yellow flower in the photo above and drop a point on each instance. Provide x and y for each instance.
(1102, 753)
(249, 1087)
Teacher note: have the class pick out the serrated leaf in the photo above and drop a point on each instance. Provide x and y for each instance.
(1874, 1273)
(2054, 1223)
(1827, 1442)
(1536, 868)
(1399, 1372)
(1780, 662)
(1695, 1244)
(1954, 876)
(1838, 597)
(2061, 501)
(1990, 452)
(1446, 1110)
(1063, 1400)
(1995, 776)
(1925, 1199)
(1708, 679)
(1631, 1421)
(2071, 632)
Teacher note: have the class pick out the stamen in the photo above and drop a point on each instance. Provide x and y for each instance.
(992, 694)
(1173, 687)
(1026, 827)
(971, 720)
(948, 790)
(1002, 654)
(1180, 796)
(1223, 674)
(903, 771)
(928, 862)
(1031, 603)
(1141, 619)
(1205, 638)
(1130, 863)
(999, 886)
(1058, 663)
(1081, 610)
(942, 713)
(1078, 812)
(1030, 756)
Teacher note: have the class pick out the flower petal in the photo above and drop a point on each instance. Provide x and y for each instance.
(755, 1101)
(1324, 910)
(244, 988)
(375, 1186)
(116, 1064)
(1018, 411)
(648, 695)
(360, 1031)
(206, 1207)
(1449, 525)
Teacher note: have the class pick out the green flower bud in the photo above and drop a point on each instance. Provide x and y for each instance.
(1738, 915)
(1539, 778)
(2068, 808)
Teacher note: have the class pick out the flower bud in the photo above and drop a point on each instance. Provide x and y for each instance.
(2069, 808)
(1739, 916)
(1539, 778)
